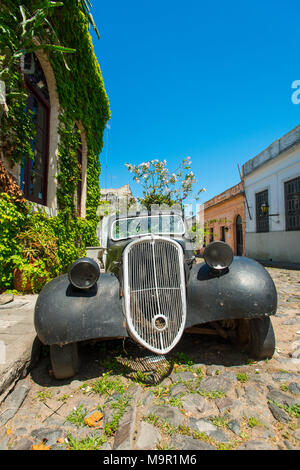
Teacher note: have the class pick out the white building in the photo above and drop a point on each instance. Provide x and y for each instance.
(272, 201)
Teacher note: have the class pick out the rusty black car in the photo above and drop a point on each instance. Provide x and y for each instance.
(152, 290)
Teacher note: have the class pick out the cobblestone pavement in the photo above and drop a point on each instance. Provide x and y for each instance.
(205, 395)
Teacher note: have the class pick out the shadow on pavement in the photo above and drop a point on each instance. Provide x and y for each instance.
(129, 359)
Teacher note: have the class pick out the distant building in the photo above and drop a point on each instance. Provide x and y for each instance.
(272, 194)
(224, 219)
(112, 200)
(118, 196)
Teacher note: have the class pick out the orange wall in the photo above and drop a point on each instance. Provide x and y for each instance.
(228, 209)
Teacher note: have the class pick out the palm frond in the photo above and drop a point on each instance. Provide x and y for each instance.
(86, 5)
(54, 48)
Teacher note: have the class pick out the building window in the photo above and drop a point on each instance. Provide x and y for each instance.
(34, 171)
(222, 235)
(239, 235)
(211, 236)
(292, 204)
(262, 217)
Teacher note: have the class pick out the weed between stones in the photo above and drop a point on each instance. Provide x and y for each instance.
(107, 385)
(212, 395)
(292, 410)
(94, 441)
(120, 406)
(161, 392)
(220, 421)
(90, 443)
(241, 377)
(104, 386)
(170, 430)
(77, 416)
(253, 422)
(43, 395)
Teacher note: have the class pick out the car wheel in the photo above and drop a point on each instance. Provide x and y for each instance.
(256, 337)
(64, 360)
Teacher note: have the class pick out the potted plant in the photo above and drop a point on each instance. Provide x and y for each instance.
(37, 262)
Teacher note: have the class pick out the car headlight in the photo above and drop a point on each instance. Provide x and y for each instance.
(84, 273)
(218, 255)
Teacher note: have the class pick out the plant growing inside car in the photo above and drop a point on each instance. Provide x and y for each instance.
(162, 186)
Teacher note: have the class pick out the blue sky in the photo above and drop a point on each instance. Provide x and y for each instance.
(209, 80)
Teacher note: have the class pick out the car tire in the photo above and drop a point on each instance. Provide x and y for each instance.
(64, 360)
(256, 337)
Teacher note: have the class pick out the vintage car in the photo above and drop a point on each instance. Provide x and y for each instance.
(153, 290)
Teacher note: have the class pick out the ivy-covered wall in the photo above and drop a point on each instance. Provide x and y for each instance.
(82, 99)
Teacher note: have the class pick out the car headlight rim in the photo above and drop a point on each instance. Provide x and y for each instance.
(218, 255)
(84, 273)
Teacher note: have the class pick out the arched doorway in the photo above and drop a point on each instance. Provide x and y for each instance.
(239, 235)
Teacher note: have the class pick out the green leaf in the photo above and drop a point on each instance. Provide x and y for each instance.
(54, 47)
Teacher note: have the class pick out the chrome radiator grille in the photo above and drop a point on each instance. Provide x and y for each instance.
(154, 292)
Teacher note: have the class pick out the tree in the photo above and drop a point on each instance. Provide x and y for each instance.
(160, 186)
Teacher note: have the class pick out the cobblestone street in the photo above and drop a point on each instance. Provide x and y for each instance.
(209, 396)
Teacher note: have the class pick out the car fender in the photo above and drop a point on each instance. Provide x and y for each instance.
(64, 314)
(244, 290)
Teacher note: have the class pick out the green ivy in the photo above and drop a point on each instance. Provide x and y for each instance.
(13, 219)
(83, 98)
(17, 130)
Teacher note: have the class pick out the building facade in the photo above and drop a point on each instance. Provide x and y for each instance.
(37, 179)
(53, 115)
(69, 108)
(224, 219)
(272, 201)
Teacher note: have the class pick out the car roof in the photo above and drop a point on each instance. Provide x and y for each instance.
(146, 213)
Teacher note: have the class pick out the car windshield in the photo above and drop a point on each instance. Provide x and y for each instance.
(157, 224)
